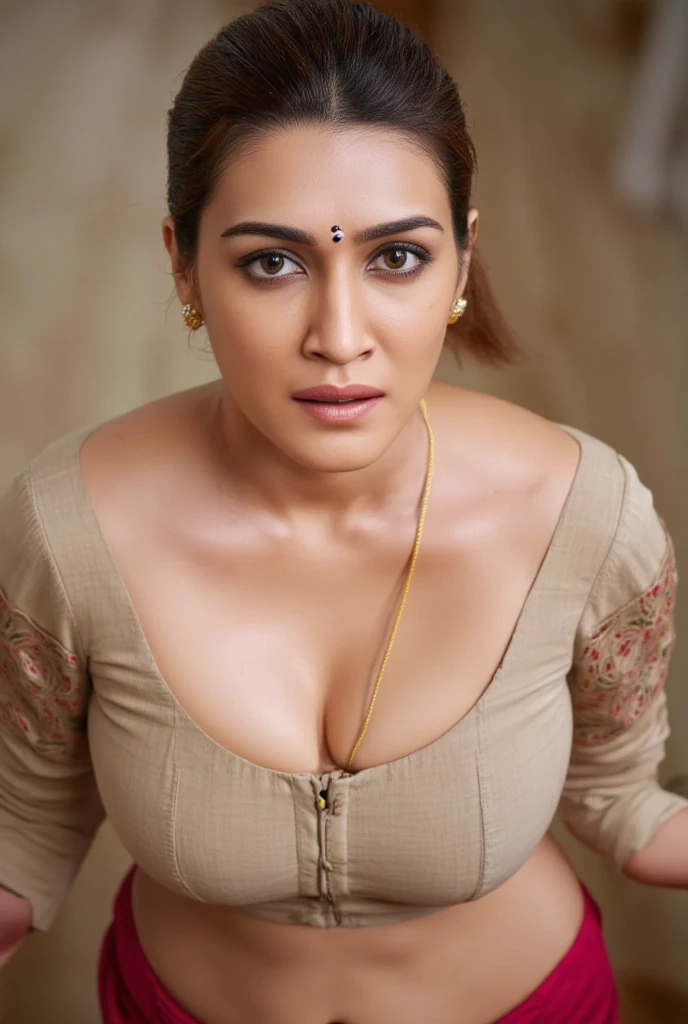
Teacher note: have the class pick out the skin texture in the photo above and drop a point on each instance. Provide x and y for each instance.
(230, 503)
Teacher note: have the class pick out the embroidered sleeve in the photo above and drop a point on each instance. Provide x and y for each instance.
(612, 799)
(41, 696)
(49, 804)
(625, 662)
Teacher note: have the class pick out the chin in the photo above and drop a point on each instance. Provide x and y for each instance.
(330, 452)
(337, 456)
(320, 448)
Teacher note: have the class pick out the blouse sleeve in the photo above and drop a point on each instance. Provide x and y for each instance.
(612, 800)
(49, 805)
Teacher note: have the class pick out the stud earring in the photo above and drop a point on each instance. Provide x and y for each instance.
(192, 318)
(458, 310)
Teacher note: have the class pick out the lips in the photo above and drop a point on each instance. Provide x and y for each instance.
(330, 393)
(339, 406)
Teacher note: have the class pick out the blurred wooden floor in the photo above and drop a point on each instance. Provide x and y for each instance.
(596, 292)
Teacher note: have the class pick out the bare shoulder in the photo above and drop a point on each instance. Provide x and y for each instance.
(513, 457)
(138, 456)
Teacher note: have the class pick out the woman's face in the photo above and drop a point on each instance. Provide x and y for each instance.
(284, 314)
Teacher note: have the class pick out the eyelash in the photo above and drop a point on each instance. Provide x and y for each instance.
(423, 255)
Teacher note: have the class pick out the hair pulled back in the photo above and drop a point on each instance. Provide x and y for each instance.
(334, 63)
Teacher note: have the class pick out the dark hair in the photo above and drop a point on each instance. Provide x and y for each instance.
(331, 62)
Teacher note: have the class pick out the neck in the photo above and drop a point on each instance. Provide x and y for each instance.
(263, 476)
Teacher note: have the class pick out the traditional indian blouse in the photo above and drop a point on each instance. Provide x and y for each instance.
(574, 719)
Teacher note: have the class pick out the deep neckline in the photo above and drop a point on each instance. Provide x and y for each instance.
(125, 607)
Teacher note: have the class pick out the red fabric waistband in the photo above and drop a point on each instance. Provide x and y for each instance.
(128, 988)
(580, 989)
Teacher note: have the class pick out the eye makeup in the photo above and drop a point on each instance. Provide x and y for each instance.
(422, 255)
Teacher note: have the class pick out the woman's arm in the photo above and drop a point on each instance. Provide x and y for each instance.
(49, 803)
(664, 860)
(612, 799)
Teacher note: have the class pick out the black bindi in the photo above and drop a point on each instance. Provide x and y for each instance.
(337, 233)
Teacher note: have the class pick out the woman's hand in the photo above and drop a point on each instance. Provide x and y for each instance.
(664, 860)
(15, 923)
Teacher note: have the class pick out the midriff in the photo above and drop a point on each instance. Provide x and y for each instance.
(467, 964)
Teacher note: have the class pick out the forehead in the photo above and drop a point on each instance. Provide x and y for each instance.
(358, 176)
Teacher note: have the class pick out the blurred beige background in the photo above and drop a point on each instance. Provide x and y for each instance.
(596, 290)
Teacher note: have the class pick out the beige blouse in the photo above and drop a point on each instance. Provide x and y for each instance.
(574, 719)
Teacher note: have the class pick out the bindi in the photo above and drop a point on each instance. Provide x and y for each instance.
(337, 233)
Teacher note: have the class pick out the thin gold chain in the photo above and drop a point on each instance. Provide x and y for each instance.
(409, 576)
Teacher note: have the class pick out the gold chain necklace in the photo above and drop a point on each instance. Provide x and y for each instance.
(409, 576)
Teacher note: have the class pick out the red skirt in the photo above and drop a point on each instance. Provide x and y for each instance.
(580, 989)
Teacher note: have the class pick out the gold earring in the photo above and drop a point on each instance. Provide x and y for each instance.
(457, 310)
(192, 318)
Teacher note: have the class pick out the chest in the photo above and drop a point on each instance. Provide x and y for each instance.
(444, 825)
(273, 646)
(229, 692)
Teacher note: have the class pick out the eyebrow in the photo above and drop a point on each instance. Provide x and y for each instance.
(392, 227)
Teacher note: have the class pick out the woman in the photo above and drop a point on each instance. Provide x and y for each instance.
(328, 642)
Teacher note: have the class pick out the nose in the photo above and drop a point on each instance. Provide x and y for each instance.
(337, 329)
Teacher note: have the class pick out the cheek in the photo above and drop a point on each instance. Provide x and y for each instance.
(248, 351)
(248, 331)
(413, 328)
(423, 316)
(417, 309)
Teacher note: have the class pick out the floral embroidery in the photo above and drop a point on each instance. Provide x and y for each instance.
(625, 662)
(41, 686)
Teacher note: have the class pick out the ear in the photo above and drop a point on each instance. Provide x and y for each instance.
(183, 280)
(472, 222)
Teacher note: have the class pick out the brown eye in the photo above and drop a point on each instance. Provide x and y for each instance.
(272, 263)
(395, 258)
(270, 266)
(402, 260)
